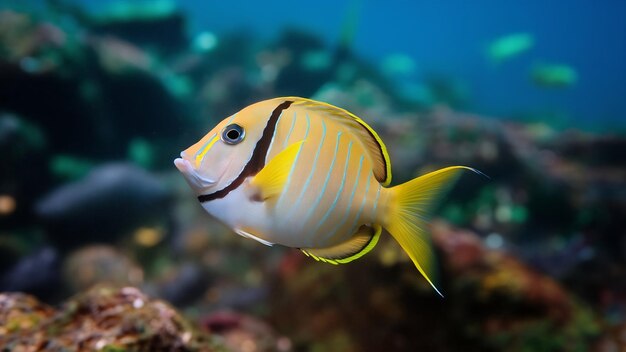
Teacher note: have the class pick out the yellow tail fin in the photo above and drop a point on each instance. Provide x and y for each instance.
(410, 207)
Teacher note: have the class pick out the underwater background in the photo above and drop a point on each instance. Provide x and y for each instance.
(104, 247)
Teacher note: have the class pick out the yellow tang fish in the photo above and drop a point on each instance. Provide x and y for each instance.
(309, 175)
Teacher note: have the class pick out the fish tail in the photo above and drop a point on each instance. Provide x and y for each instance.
(409, 208)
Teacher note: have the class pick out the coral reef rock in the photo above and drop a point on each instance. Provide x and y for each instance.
(103, 318)
(492, 302)
(118, 197)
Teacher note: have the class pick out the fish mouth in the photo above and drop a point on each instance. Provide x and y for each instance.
(192, 175)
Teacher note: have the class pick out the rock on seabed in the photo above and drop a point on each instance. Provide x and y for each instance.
(102, 319)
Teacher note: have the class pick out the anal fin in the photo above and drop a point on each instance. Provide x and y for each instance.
(363, 241)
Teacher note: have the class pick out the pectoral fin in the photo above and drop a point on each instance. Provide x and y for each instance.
(247, 234)
(270, 181)
(361, 243)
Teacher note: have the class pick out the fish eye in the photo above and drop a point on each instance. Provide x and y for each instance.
(233, 134)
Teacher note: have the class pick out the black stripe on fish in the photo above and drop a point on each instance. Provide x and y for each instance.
(257, 161)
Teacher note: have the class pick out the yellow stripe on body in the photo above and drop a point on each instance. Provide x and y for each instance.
(295, 206)
(340, 116)
(293, 167)
(311, 214)
(330, 202)
(315, 204)
(292, 128)
(359, 213)
(295, 200)
(349, 208)
(290, 212)
(354, 207)
(339, 192)
(293, 124)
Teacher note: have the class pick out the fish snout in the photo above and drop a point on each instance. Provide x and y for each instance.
(191, 173)
(182, 164)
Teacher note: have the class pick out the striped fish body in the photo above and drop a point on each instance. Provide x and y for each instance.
(331, 189)
(309, 175)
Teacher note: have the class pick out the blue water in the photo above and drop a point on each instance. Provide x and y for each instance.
(449, 37)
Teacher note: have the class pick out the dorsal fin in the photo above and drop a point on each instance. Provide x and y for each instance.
(366, 135)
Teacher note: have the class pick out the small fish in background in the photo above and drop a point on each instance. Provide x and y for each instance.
(554, 75)
(510, 46)
(309, 175)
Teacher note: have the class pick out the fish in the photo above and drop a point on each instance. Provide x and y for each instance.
(554, 75)
(510, 46)
(309, 175)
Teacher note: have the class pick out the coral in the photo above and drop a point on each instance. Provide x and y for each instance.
(245, 333)
(492, 302)
(613, 339)
(103, 318)
(531, 258)
(94, 264)
(21, 312)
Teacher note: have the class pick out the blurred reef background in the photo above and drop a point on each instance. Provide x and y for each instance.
(103, 246)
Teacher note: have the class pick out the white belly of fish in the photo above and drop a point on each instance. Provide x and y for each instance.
(251, 219)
